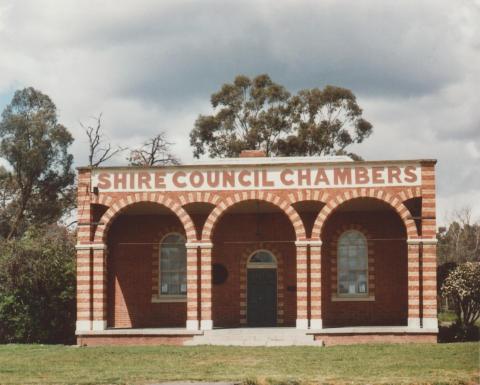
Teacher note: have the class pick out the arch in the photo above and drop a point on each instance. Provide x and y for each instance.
(377, 194)
(409, 193)
(199, 197)
(102, 200)
(273, 263)
(165, 236)
(308, 195)
(121, 204)
(269, 197)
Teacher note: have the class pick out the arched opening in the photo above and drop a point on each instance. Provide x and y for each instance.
(244, 228)
(364, 257)
(146, 279)
(262, 289)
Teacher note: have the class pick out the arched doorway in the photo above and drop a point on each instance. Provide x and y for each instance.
(262, 289)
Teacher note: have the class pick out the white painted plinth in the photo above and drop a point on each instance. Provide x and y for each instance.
(414, 323)
(302, 324)
(83, 326)
(99, 325)
(430, 323)
(206, 324)
(316, 324)
(192, 324)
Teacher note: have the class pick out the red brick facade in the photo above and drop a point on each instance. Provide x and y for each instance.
(120, 234)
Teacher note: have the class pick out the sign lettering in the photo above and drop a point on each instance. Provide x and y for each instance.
(254, 177)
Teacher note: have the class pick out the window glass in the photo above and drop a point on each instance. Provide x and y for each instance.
(262, 257)
(173, 266)
(352, 263)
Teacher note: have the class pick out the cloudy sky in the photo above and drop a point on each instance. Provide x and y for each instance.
(151, 66)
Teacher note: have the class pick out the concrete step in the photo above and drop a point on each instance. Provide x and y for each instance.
(255, 337)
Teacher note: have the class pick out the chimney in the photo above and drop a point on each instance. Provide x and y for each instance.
(252, 154)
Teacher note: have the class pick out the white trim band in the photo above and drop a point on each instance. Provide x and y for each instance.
(425, 241)
(168, 299)
(88, 246)
(307, 242)
(193, 245)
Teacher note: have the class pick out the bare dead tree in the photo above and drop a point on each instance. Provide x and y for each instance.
(460, 242)
(154, 152)
(99, 151)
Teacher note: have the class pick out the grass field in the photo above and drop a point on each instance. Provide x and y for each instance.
(361, 364)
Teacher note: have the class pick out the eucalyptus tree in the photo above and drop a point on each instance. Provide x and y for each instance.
(38, 164)
(260, 114)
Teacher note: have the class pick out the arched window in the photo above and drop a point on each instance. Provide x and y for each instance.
(262, 259)
(173, 266)
(352, 264)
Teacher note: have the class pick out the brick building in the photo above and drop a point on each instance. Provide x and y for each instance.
(344, 251)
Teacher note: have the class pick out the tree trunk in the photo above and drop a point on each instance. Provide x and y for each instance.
(18, 218)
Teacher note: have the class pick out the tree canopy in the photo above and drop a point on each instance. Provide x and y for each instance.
(259, 114)
(40, 178)
(37, 286)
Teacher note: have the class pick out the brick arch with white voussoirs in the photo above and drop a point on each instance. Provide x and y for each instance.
(269, 197)
(198, 197)
(130, 199)
(102, 200)
(392, 200)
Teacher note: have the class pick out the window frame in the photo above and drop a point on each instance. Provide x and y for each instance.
(165, 297)
(353, 296)
(262, 265)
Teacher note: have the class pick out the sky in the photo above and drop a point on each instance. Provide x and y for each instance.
(151, 66)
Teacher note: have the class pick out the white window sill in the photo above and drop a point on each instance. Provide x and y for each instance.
(168, 298)
(359, 298)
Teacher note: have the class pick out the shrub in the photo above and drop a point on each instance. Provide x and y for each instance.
(37, 287)
(462, 286)
(458, 333)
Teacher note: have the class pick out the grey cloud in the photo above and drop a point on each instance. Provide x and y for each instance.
(151, 66)
(367, 48)
(167, 54)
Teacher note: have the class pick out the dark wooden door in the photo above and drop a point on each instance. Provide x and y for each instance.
(262, 297)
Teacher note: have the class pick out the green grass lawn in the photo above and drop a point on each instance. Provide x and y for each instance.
(360, 364)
